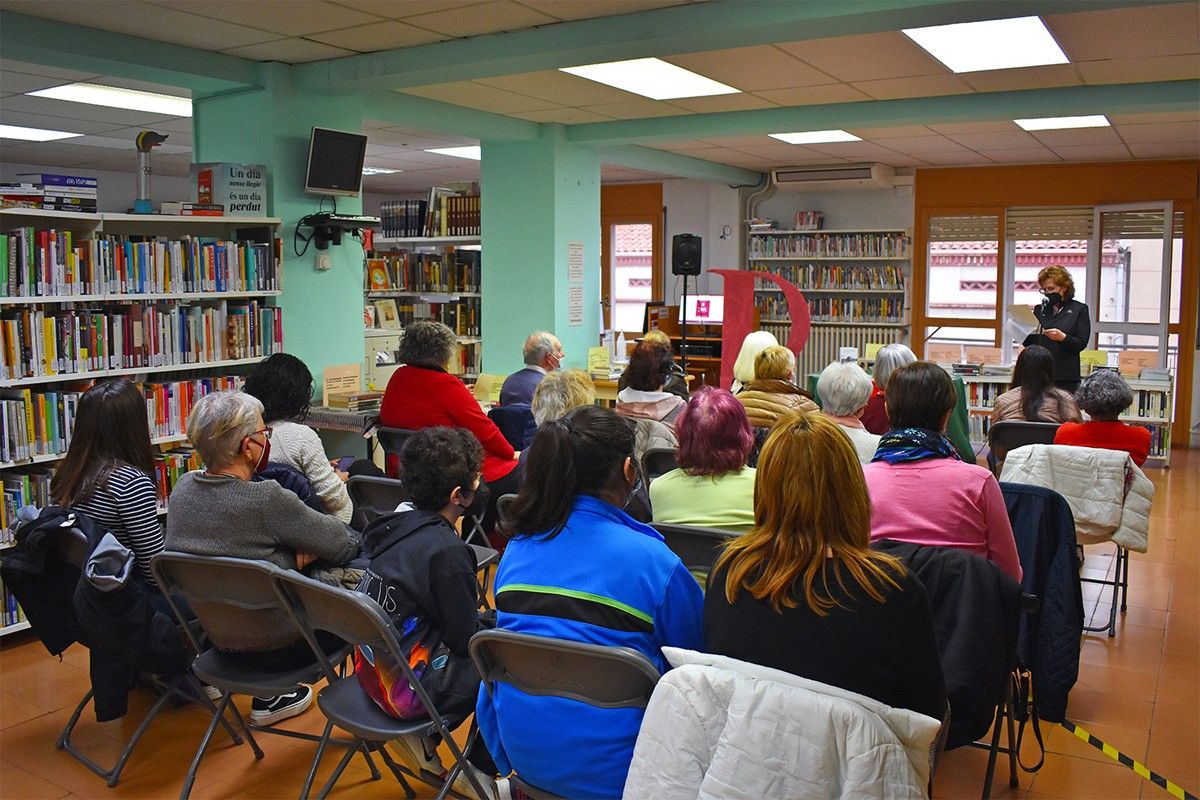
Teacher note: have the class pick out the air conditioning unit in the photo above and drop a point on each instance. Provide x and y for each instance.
(836, 176)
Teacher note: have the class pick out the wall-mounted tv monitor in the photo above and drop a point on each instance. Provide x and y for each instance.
(335, 162)
(704, 309)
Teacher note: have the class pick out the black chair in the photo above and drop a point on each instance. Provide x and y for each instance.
(515, 422)
(605, 677)
(696, 547)
(658, 461)
(356, 618)
(1010, 434)
(242, 591)
(504, 513)
(391, 440)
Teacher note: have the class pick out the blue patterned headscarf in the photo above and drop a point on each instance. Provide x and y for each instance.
(901, 445)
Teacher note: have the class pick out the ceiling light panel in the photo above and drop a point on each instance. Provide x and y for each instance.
(651, 77)
(815, 137)
(994, 44)
(33, 134)
(378, 171)
(472, 152)
(1059, 123)
(115, 97)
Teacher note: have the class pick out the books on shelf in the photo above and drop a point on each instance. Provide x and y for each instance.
(831, 276)
(10, 612)
(356, 400)
(169, 466)
(461, 316)
(829, 245)
(180, 209)
(809, 220)
(25, 486)
(52, 263)
(56, 192)
(445, 213)
(839, 309)
(467, 359)
(452, 270)
(402, 218)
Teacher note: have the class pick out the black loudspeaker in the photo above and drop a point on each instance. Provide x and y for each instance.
(685, 254)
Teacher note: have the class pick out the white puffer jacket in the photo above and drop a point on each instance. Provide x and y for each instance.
(1109, 496)
(722, 729)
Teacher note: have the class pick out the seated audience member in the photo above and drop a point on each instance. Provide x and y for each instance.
(922, 492)
(283, 384)
(106, 473)
(579, 568)
(222, 512)
(743, 366)
(677, 382)
(557, 394)
(1104, 395)
(889, 358)
(1033, 397)
(649, 367)
(844, 390)
(712, 487)
(543, 354)
(421, 394)
(423, 574)
(773, 393)
(803, 592)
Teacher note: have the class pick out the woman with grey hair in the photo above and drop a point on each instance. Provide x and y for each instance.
(423, 394)
(889, 359)
(1103, 395)
(844, 390)
(221, 511)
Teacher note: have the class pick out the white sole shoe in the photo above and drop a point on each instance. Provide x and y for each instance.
(270, 710)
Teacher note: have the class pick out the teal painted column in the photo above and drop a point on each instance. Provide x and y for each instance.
(271, 125)
(539, 198)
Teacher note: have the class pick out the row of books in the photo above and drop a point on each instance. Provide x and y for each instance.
(983, 394)
(445, 213)
(402, 218)
(809, 220)
(40, 423)
(10, 612)
(452, 270)
(52, 263)
(839, 309)
(169, 467)
(830, 276)
(461, 316)
(25, 486)
(37, 343)
(54, 192)
(467, 359)
(829, 245)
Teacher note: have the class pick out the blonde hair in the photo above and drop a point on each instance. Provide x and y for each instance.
(775, 363)
(810, 497)
(657, 336)
(1059, 275)
(754, 343)
(219, 422)
(561, 391)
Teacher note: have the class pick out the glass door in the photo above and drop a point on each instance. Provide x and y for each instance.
(629, 279)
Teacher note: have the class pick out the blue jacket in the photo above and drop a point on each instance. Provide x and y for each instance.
(518, 387)
(605, 579)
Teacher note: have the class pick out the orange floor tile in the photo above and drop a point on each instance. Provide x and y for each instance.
(1139, 691)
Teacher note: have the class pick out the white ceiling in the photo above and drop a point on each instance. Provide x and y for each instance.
(1125, 45)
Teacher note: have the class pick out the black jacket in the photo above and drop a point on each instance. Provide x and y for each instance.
(975, 608)
(1049, 640)
(1072, 320)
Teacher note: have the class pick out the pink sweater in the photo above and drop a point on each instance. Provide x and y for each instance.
(942, 502)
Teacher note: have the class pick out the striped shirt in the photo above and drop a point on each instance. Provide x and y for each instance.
(126, 505)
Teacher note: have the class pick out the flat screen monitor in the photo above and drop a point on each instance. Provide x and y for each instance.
(704, 309)
(335, 162)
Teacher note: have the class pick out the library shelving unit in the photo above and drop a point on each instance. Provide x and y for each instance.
(175, 303)
(435, 278)
(1153, 408)
(855, 280)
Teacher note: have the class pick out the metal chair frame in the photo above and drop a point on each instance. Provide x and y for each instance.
(1120, 585)
(1009, 434)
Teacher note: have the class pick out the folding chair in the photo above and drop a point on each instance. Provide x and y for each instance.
(391, 440)
(696, 547)
(358, 619)
(658, 461)
(1010, 434)
(605, 677)
(242, 591)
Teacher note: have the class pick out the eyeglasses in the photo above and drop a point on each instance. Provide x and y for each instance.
(266, 432)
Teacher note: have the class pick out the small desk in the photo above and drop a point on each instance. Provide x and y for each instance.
(606, 392)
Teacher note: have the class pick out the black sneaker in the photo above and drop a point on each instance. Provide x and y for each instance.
(269, 710)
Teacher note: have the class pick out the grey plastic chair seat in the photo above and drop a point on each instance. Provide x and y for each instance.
(229, 673)
(696, 547)
(346, 705)
(658, 461)
(484, 556)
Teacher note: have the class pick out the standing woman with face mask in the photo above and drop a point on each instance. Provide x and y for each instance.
(1064, 325)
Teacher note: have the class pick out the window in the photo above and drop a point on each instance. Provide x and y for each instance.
(963, 268)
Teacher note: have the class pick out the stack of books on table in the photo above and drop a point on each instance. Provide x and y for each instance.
(356, 401)
(63, 192)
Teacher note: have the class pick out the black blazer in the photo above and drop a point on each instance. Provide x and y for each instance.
(1073, 320)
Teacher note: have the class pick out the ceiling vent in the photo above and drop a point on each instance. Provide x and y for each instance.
(838, 176)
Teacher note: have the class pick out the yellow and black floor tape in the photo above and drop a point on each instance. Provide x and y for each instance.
(1116, 755)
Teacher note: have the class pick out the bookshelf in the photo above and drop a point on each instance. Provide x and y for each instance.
(1153, 408)
(855, 280)
(175, 303)
(419, 278)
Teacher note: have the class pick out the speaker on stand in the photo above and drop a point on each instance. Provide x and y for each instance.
(685, 261)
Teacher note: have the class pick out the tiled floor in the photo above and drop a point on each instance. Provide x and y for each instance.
(1140, 692)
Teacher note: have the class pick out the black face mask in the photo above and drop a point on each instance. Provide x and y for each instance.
(1054, 299)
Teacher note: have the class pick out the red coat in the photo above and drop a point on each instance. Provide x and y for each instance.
(875, 417)
(1114, 435)
(417, 397)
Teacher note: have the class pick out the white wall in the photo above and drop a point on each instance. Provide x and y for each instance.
(704, 209)
(843, 208)
(116, 191)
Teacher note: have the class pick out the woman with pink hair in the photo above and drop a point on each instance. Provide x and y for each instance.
(712, 487)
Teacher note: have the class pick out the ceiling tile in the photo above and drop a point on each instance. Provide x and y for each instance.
(771, 148)
(1154, 119)
(856, 151)
(396, 9)
(68, 111)
(1094, 152)
(636, 108)
(559, 87)
(918, 145)
(918, 86)
(685, 148)
(173, 138)
(1024, 155)
(873, 56)
(742, 142)
(813, 95)
(174, 125)
(1141, 70)
(963, 158)
(901, 160)
(1160, 132)
(62, 75)
(491, 17)
(281, 17)
(27, 120)
(20, 83)
(723, 102)
(1165, 150)
(890, 133)
(378, 35)
(1095, 35)
(289, 51)
(480, 96)
(1076, 137)
(996, 140)
(585, 9)
(41, 153)
(999, 80)
(565, 116)
(975, 127)
(752, 68)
